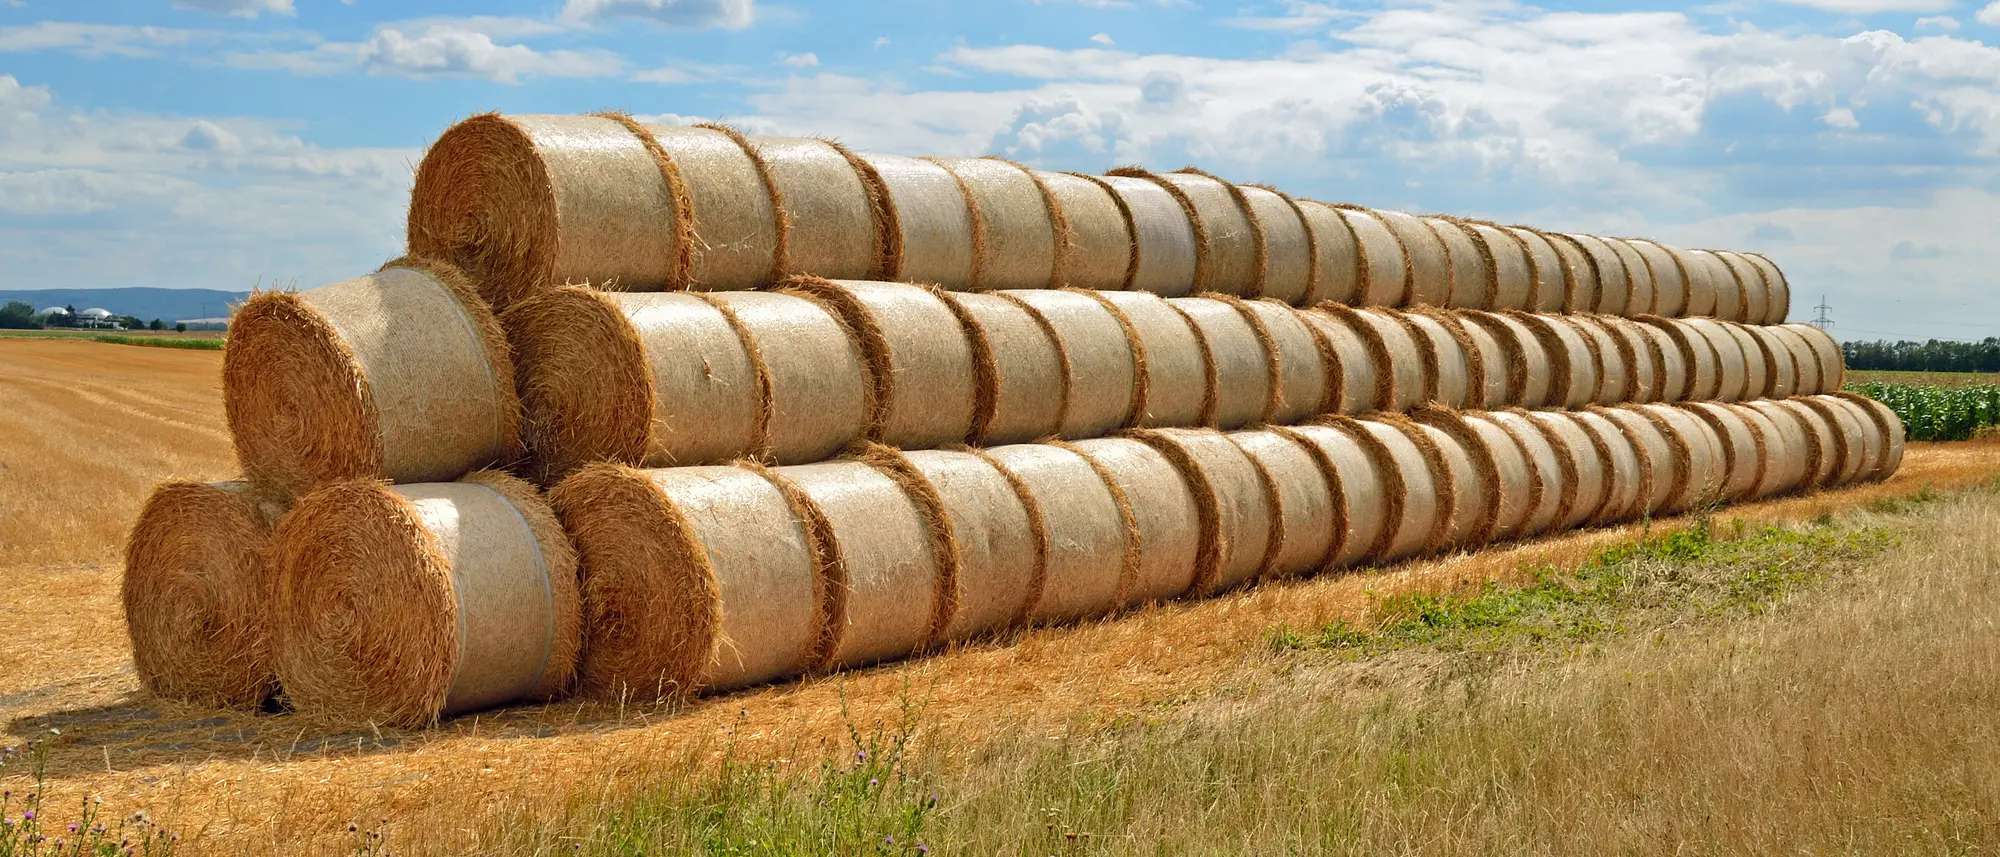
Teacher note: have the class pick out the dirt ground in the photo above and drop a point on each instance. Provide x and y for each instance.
(87, 428)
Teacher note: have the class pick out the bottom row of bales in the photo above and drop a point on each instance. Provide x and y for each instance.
(397, 605)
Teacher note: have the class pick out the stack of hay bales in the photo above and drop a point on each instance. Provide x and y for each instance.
(799, 408)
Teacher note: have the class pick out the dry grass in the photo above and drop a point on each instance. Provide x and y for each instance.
(241, 784)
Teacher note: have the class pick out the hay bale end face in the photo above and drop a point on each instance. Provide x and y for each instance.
(329, 384)
(401, 605)
(196, 594)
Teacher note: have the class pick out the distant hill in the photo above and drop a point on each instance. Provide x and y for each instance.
(169, 305)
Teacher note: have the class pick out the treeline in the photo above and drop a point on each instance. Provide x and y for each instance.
(1937, 355)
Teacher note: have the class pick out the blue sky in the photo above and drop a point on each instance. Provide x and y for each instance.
(227, 143)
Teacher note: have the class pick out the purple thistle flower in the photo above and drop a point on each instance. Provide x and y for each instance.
(28, 816)
(923, 849)
(874, 782)
(861, 755)
(889, 840)
(72, 828)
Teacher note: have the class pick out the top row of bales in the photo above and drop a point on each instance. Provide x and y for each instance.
(528, 203)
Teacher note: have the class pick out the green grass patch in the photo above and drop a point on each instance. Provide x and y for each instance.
(1692, 572)
(192, 344)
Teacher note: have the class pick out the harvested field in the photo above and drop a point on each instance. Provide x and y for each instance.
(90, 427)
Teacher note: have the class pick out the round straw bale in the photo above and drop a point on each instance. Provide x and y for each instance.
(1797, 447)
(1385, 279)
(1471, 264)
(1628, 469)
(1886, 432)
(524, 202)
(1513, 282)
(830, 218)
(1546, 489)
(1164, 511)
(739, 239)
(1573, 371)
(196, 592)
(1704, 375)
(1758, 371)
(1519, 480)
(1233, 255)
(1756, 301)
(1095, 249)
(1803, 359)
(1779, 303)
(1023, 384)
(1165, 244)
(1645, 295)
(1732, 365)
(1743, 446)
(1670, 286)
(1400, 380)
(1731, 303)
(1673, 356)
(1290, 253)
(1459, 495)
(1493, 379)
(896, 597)
(1662, 463)
(1365, 505)
(683, 378)
(1825, 447)
(1086, 525)
(1353, 359)
(1305, 501)
(937, 220)
(1308, 384)
(1616, 380)
(918, 354)
(329, 384)
(1552, 285)
(1340, 263)
(1176, 373)
(1489, 470)
(1698, 450)
(1448, 369)
(1702, 291)
(1522, 358)
(692, 578)
(1781, 464)
(1242, 527)
(1614, 284)
(1239, 360)
(1644, 355)
(1832, 366)
(1429, 266)
(1585, 462)
(1414, 508)
(1847, 453)
(1581, 285)
(1018, 246)
(1103, 365)
(1000, 549)
(396, 606)
(1783, 366)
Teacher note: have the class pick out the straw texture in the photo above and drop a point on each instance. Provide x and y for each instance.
(1166, 517)
(1291, 262)
(1166, 244)
(1096, 249)
(1429, 260)
(196, 594)
(1385, 269)
(1018, 248)
(1471, 263)
(1176, 376)
(1551, 271)
(934, 219)
(829, 215)
(1086, 525)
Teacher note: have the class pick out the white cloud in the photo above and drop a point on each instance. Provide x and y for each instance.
(238, 8)
(881, 41)
(92, 40)
(1103, 39)
(806, 60)
(446, 48)
(1990, 16)
(1870, 7)
(1842, 118)
(688, 14)
(18, 99)
(1946, 23)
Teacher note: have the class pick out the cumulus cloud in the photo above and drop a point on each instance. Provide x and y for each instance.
(92, 40)
(1990, 15)
(806, 60)
(1870, 7)
(1946, 23)
(683, 14)
(238, 8)
(444, 48)
(1103, 39)
(1842, 118)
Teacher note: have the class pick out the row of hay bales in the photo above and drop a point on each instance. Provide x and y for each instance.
(797, 374)
(400, 604)
(527, 203)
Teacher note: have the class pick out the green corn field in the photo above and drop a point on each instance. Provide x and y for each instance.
(1937, 413)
